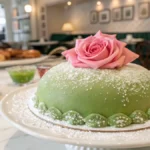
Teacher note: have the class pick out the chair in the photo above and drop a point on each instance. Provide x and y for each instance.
(58, 51)
(143, 49)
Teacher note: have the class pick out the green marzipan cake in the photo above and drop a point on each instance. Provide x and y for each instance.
(96, 98)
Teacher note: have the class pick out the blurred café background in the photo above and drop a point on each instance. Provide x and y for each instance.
(48, 27)
(53, 25)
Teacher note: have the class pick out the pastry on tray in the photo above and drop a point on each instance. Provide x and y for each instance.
(2, 57)
(14, 52)
(98, 87)
(10, 53)
(6, 54)
(29, 54)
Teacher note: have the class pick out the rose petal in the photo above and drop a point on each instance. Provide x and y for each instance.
(80, 41)
(71, 56)
(80, 65)
(101, 53)
(110, 46)
(116, 64)
(99, 34)
(119, 46)
(81, 45)
(100, 63)
(130, 56)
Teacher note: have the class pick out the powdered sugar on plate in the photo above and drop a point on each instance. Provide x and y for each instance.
(16, 109)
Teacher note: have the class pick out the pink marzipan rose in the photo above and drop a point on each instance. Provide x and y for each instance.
(99, 51)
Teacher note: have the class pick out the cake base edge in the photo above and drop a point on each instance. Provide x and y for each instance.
(131, 128)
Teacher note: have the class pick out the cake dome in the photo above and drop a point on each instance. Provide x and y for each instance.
(88, 91)
(96, 88)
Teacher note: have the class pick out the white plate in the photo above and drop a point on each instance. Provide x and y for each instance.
(14, 108)
(22, 61)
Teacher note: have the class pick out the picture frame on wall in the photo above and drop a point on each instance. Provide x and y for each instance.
(42, 9)
(117, 14)
(93, 17)
(144, 10)
(128, 12)
(43, 17)
(104, 16)
(43, 25)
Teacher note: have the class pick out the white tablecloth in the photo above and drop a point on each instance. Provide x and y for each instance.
(10, 137)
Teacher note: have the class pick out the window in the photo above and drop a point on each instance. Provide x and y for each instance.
(2, 19)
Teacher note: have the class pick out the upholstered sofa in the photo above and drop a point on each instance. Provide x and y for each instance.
(64, 38)
(69, 37)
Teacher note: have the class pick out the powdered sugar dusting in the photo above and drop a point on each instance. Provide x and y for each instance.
(131, 75)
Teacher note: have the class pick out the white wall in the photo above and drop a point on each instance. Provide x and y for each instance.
(8, 13)
(56, 18)
(50, 2)
(34, 14)
(78, 15)
(80, 19)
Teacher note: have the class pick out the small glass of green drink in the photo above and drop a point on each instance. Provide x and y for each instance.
(21, 74)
